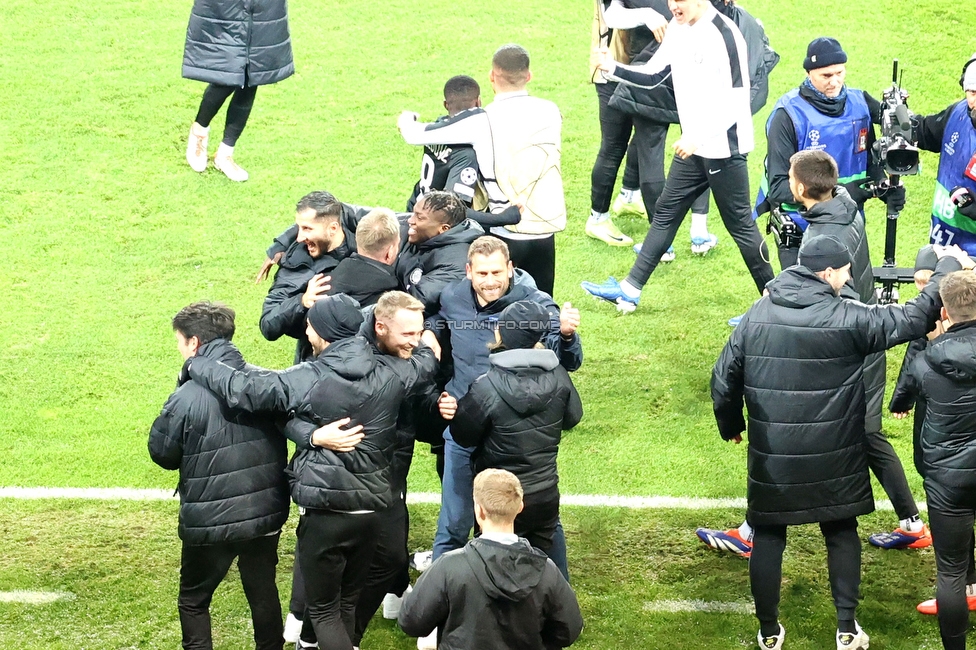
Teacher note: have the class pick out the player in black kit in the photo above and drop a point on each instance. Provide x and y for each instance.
(453, 167)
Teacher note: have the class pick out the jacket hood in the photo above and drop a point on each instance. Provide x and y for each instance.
(350, 358)
(797, 287)
(954, 353)
(524, 381)
(839, 210)
(506, 571)
(220, 350)
(463, 233)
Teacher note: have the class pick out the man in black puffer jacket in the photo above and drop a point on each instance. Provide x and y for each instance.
(324, 234)
(339, 477)
(496, 593)
(515, 415)
(798, 363)
(945, 375)
(233, 493)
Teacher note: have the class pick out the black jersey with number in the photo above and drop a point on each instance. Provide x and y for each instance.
(448, 167)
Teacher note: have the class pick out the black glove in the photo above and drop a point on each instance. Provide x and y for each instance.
(969, 210)
(894, 198)
(964, 201)
(857, 191)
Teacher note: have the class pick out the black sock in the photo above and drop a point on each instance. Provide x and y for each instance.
(846, 626)
(769, 629)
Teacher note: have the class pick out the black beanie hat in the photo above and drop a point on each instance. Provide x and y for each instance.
(523, 324)
(822, 52)
(335, 317)
(926, 259)
(823, 252)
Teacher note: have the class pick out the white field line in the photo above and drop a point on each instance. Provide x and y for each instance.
(34, 597)
(585, 500)
(712, 607)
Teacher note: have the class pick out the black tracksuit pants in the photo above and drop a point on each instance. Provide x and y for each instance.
(687, 178)
(615, 129)
(335, 550)
(537, 257)
(202, 568)
(389, 571)
(843, 567)
(952, 537)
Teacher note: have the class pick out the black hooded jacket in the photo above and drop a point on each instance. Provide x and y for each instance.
(796, 359)
(425, 268)
(840, 218)
(232, 480)
(516, 413)
(493, 596)
(945, 375)
(347, 380)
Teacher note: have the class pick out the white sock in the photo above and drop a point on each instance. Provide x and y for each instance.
(598, 217)
(911, 525)
(745, 531)
(699, 226)
(223, 151)
(630, 290)
(630, 196)
(199, 130)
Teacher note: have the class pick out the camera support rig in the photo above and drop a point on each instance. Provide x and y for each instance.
(899, 155)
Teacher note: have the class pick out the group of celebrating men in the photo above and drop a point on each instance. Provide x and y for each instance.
(408, 326)
(438, 325)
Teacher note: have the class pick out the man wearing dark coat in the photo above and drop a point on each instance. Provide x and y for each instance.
(234, 46)
(496, 593)
(797, 359)
(233, 492)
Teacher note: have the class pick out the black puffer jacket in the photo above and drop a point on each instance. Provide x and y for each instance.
(516, 413)
(230, 41)
(346, 380)
(232, 481)
(493, 596)
(840, 218)
(797, 360)
(424, 269)
(945, 375)
(283, 313)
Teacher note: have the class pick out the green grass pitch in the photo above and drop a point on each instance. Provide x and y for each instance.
(105, 233)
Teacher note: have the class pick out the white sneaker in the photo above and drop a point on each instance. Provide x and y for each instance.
(231, 169)
(774, 642)
(701, 245)
(196, 147)
(428, 642)
(856, 641)
(421, 561)
(293, 628)
(391, 604)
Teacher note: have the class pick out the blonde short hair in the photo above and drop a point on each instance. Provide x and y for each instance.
(500, 494)
(377, 231)
(958, 291)
(487, 245)
(393, 301)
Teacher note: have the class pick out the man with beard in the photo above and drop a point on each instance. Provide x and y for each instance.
(339, 478)
(324, 234)
(465, 326)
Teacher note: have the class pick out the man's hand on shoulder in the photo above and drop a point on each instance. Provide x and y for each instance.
(959, 254)
(430, 340)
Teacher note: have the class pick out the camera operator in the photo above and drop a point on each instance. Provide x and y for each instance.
(825, 114)
(952, 133)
